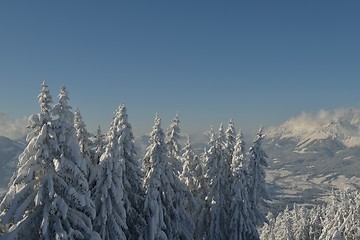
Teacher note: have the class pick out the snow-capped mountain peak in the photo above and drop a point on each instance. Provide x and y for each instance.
(342, 125)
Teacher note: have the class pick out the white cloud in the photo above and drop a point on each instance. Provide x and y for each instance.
(12, 128)
(306, 123)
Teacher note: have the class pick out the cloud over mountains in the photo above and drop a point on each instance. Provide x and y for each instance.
(341, 124)
(13, 128)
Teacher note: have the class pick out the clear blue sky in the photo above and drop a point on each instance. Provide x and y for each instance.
(258, 62)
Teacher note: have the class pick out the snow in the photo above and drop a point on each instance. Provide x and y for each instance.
(51, 190)
(341, 124)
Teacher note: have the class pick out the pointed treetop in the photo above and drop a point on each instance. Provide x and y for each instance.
(174, 130)
(259, 135)
(63, 96)
(77, 113)
(211, 135)
(123, 114)
(62, 109)
(122, 108)
(172, 140)
(231, 128)
(176, 119)
(239, 153)
(157, 121)
(157, 135)
(45, 100)
(221, 128)
(81, 132)
(239, 135)
(221, 132)
(240, 138)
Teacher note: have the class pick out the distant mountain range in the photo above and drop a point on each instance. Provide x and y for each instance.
(321, 144)
(310, 155)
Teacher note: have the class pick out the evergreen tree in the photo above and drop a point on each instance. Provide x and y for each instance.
(133, 189)
(190, 176)
(238, 157)
(155, 161)
(110, 221)
(257, 184)
(334, 221)
(241, 226)
(227, 143)
(342, 217)
(173, 146)
(267, 231)
(201, 218)
(49, 196)
(230, 139)
(315, 222)
(72, 167)
(83, 137)
(165, 212)
(99, 146)
(301, 226)
(285, 226)
(192, 169)
(215, 220)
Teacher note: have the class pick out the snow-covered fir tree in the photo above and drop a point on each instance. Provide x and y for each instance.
(110, 221)
(214, 222)
(241, 225)
(230, 136)
(301, 219)
(85, 143)
(98, 146)
(239, 154)
(228, 143)
(285, 225)
(337, 220)
(201, 220)
(342, 217)
(316, 217)
(172, 143)
(30, 173)
(165, 213)
(267, 231)
(256, 179)
(191, 176)
(133, 188)
(72, 167)
(49, 196)
(300, 223)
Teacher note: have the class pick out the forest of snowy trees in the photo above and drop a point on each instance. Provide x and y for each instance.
(71, 184)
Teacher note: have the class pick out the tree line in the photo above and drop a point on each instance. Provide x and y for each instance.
(337, 220)
(70, 184)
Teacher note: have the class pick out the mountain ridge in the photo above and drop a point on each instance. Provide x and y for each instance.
(342, 125)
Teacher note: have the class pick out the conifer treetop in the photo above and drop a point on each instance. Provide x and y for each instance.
(45, 100)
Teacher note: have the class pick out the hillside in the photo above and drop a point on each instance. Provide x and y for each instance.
(310, 155)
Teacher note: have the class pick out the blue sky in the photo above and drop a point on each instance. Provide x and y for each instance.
(258, 62)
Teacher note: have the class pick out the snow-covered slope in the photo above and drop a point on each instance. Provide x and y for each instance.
(9, 152)
(313, 147)
(342, 125)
